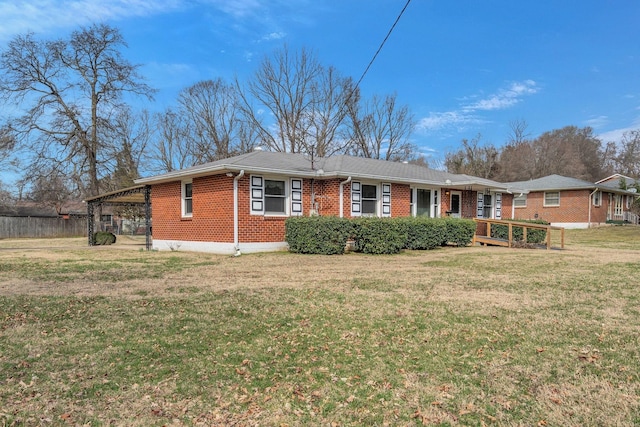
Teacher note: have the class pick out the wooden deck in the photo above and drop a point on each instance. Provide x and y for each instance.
(486, 239)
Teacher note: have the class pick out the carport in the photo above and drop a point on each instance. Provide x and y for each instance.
(139, 195)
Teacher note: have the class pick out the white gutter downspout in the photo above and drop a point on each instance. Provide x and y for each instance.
(590, 196)
(236, 243)
(348, 180)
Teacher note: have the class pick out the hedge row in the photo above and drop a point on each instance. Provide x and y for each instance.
(329, 235)
(533, 235)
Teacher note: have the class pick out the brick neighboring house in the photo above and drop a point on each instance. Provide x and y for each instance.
(572, 203)
(240, 204)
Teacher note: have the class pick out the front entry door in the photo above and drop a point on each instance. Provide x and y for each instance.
(454, 206)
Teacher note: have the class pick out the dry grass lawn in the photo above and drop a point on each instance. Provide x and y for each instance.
(454, 336)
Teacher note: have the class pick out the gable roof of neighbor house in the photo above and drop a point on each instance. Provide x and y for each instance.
(615, 180)
(559, 182)
(340, 166)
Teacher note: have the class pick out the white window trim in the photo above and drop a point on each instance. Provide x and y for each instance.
(378, 198)
(258, 194)
(434, 205)
(618, 204)
(544, 200)
(522, 198)
(357, 199)
(597, 201)
(183, 199)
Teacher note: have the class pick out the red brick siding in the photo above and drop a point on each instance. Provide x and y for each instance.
(400, 200)
(212, 219)
(574, 207)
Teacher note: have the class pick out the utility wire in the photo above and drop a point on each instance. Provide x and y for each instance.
(380, 48)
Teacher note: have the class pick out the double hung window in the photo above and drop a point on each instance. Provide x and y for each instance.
(274, 197)
(187, 199)
(551, 198)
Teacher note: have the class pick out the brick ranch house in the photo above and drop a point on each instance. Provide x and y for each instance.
(573, 203)
(240, 204)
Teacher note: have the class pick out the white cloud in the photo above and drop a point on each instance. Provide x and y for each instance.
(277, 35)
(615, 135)
(505, 98)
(50, 15)
(443, 120)
(469, 114)
(597, 122)
(238, 8)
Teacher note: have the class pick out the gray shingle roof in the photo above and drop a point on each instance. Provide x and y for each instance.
(340, 166)
(559, 182)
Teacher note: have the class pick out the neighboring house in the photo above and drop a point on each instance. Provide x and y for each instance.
(572, 203)
(24, 209)
(618, 181)
(241, 203)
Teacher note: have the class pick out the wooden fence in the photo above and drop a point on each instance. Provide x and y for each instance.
(18, 227)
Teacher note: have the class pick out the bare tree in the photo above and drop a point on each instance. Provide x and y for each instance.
(52, 187)
(518, 131)
(171, 150)
(68, 90)
(517, 162)
(304, 102)
(627, 160)
(569, 151)
(283, 86)
(131, 135)
(474, 159)
(379, 129)
(217, 127)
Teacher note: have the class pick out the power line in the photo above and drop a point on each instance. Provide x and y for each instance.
(380, 47)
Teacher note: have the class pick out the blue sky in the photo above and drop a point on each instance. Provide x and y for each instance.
(464, 67)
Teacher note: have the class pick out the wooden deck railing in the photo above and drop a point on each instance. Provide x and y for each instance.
(486, 239)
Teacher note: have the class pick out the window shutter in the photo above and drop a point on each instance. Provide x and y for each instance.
(498, 205)
(480, 209)
(386, 200)
(356, 199)
(257, 195)
(296, 197)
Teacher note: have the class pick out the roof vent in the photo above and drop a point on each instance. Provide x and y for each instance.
(258, 148)
(404, 162)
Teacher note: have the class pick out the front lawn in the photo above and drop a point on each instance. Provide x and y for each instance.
(453, 336)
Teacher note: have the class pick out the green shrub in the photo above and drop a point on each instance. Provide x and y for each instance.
(104, 238)
(425, 233)
(459, 231)
(379, 235)
(317, 234)
(501, 231)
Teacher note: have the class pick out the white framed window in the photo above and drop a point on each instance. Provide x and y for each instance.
(551, 198)
(618, 205)
(369, 198)
(187, 199)
(520, 201)
(275, 195)
(269, 196)
(597, 198)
